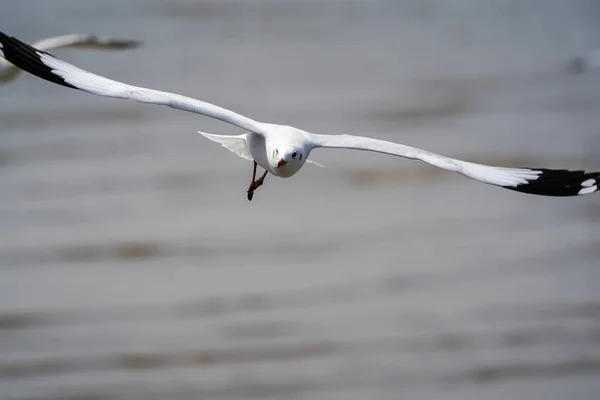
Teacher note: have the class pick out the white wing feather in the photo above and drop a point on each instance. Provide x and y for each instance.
(101, 86)
(483, 173)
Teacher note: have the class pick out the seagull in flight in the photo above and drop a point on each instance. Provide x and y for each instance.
(280, 149)
(10, 72)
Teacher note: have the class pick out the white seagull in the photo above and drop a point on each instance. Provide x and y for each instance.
(9, 72)
(280, 149)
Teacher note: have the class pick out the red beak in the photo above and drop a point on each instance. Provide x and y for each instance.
(281, 162)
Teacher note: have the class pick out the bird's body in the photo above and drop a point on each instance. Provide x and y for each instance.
(10, 72)
(282, 150)
(284, 140)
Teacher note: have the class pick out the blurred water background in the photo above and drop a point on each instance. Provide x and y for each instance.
(133, 267)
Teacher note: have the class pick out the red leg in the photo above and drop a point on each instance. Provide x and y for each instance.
(255, 183)
(254, 172)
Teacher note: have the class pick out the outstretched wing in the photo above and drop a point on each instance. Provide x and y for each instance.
(50, 68)
(547, 182)
(81, 40)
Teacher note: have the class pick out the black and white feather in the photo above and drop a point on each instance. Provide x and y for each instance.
(9, 72)
(46, 66)
(552, 182)
(546, 182)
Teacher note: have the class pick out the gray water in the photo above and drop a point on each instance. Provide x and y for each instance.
(133, 267)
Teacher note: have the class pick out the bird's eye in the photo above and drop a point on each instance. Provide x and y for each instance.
(275, 153)
(294, 154)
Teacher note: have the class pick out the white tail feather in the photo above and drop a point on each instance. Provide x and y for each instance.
(315, 163)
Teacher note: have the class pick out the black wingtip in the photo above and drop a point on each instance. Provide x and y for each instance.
(552, 182)
(28, 59)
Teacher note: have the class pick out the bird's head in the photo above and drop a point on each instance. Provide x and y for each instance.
(287, 158)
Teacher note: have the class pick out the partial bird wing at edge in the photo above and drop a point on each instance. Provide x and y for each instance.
(81, 40)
